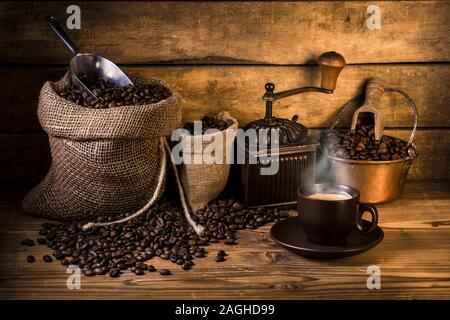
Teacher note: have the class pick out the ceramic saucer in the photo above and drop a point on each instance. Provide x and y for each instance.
(289, 233)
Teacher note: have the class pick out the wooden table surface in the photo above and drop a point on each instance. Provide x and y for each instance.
(414, 259)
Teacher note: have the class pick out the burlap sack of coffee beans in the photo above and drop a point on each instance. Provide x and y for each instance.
(204, 182)
(104, 161)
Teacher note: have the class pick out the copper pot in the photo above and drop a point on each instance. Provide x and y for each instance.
(377, 181)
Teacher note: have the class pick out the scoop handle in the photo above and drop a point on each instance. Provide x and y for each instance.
(62, 35)
(374, 91)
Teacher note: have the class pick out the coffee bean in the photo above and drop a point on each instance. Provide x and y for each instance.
(219, 258)
(237, 206)
(190, 262)
(151, 268)
(114, 273)
(47, 258)
(128, 235)
(41, 241)
(221, 253)
(30, 259)
(186, 266)
(121, 266)
(199, 254)
(99, 271)
(139, 272)
(164, 256)
(89, 273)
(164, 272)
(187, 256)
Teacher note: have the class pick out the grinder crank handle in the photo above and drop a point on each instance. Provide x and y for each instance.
(331, 64)
(374, 90)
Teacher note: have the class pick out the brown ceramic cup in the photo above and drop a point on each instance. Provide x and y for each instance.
(329, 222)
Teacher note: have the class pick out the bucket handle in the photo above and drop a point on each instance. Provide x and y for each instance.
(359, 98)
(413, 106)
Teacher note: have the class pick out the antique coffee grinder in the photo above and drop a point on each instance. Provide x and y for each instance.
(296, 152)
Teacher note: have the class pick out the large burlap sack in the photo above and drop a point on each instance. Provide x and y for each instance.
(104, 161)
(205, 181)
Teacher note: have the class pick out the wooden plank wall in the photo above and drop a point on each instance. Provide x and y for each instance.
(219, 56)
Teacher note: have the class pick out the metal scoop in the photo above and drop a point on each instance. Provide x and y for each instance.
(89, 66)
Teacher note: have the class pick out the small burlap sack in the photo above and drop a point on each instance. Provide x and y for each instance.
(104, 161)
(204, 182)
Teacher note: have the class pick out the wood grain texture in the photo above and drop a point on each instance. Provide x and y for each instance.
(413, 258)
(210, 89)
(230, 32)
(26, 157)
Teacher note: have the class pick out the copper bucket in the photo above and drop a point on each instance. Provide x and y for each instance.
(377, 181)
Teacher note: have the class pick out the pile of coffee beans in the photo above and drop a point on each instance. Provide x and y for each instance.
(209, 123)
(361, 144)
(222, 218)
(162, 232)
(110, 96)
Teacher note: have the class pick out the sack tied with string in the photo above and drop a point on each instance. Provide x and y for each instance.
(203, 182)
(104, 161)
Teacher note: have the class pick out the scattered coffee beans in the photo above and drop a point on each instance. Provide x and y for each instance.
(30, 259)
(360, 144)
(209, 123)
(163, 232)
(165, 272)
(110, 96)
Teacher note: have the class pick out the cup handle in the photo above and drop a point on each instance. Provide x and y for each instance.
(374, 213)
